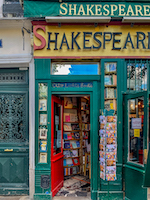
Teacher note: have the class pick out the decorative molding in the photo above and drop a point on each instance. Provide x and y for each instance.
(20, 59)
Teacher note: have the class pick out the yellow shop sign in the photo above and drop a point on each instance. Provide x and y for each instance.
(88, 41)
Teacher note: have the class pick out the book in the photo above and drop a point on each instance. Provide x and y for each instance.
(69, 162)
(78, 144)
(67, 102)
(74, 153)
(75, 161)
(76, 135)
(111, 104)
(73, 144)
(67, 127)
(64, 162)
(110, 93)
(67, 145)
(65, 136)
(74, 102)
(66, 154)
(107, 80)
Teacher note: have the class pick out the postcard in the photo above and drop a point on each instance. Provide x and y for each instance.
(110, 177)
(102, 168)
(43, 146)
(102, 147)
(110, 169)
(102, 119)
(102, 154)
(110, 162)
(43, 157)
(102, 133)
(109, 118)
(43, 119)
(111, 126)
(111, 155)
(102, 140)
(42, 104)
(43, 133)
(102, 175)
(111, 140)
(102, 126)
(111, 133)
(111, 147)
(42, 90)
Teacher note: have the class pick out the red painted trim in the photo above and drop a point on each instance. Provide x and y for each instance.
(54, 192)
(93, 57)
(117, 23)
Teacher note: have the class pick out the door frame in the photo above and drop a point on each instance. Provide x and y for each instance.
(94, 113)
(59, 156)
(131, 166)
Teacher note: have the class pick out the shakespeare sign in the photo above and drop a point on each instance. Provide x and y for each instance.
(74, 41)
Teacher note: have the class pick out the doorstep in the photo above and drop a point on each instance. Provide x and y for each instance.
(14, 198)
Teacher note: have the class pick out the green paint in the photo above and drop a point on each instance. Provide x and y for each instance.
(16, 161)
(84, 9)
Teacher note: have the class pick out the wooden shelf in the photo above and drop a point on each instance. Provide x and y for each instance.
(70, 139)
(72, 149)
(111, 86)
(72, 130)
(85, 109)
(85, 130)
(72, 122)
(85, 122)
(72, 157)
(72, 174)
(71, 166)
(110, 73)
(72, 108)
(110, 98)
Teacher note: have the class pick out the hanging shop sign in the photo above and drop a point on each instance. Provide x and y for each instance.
(78, 41)
(102, 9)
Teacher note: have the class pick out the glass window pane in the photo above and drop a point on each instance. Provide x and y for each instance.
(137, 75)
(135, 127)
(57, 128)
(75, 69)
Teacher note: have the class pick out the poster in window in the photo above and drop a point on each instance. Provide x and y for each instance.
(43, 119)
(43, 133)
(43, 157)
(42, 104)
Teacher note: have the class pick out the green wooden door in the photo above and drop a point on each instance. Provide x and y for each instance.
(14, 141)
(135, 142)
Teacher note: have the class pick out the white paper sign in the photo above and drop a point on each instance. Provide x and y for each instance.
(136, 123)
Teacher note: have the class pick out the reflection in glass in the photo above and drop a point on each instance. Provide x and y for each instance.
(75, 69)
(57, 128)
(136, 121)
(137, 75)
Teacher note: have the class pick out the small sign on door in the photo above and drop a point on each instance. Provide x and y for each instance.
(136, 123)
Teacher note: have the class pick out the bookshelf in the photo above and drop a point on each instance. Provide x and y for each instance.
(72, 137)
(76, 122)
(110, 86)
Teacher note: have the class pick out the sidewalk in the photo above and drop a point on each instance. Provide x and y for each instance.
(14, 198)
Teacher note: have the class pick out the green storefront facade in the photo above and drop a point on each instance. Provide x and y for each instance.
(59, 40)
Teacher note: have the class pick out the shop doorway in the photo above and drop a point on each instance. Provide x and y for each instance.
(71, 146)
(135, 144)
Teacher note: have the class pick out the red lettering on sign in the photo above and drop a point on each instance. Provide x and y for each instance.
(41, 38)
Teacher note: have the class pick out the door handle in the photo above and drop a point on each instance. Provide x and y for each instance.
(8, 149)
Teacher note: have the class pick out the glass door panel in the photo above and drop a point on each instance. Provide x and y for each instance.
(135, 129)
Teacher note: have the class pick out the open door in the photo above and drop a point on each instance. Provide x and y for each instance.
(57, 172)
(135, 144)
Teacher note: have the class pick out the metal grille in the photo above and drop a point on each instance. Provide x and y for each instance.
(13, 77)
(12, 118)
(137, 75)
